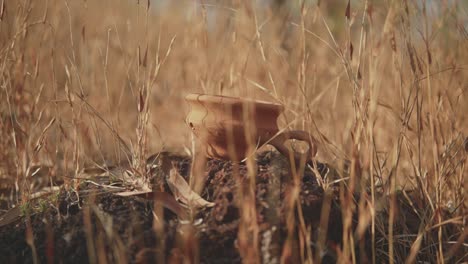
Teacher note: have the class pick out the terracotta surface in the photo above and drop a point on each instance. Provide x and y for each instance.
(227, 126)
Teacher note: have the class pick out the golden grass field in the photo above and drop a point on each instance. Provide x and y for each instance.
(382, 84)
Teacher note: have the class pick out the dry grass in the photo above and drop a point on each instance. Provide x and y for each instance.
(383, 86)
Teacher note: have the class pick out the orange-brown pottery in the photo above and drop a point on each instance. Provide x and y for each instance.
(231, 128)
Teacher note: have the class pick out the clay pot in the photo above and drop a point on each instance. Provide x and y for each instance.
(224, 125)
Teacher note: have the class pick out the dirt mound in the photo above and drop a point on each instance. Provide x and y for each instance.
(95, 223)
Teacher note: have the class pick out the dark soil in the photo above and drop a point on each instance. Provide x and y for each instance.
(122, 228)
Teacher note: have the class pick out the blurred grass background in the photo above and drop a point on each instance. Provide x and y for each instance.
(106, 51)
(383, 85)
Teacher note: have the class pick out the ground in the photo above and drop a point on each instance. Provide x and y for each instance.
(67, 224)
(60, 232)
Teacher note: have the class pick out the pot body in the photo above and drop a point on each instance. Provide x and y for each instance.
(228, 126)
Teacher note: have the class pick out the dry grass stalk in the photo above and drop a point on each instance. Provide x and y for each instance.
(380, 84)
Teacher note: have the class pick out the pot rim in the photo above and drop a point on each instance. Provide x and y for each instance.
(231, 100)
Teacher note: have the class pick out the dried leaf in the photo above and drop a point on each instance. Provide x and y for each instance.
(164, 198)
(351, 49)
(10, 216)
(183, 192)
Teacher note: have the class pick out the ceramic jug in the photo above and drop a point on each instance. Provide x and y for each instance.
(227, 126)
